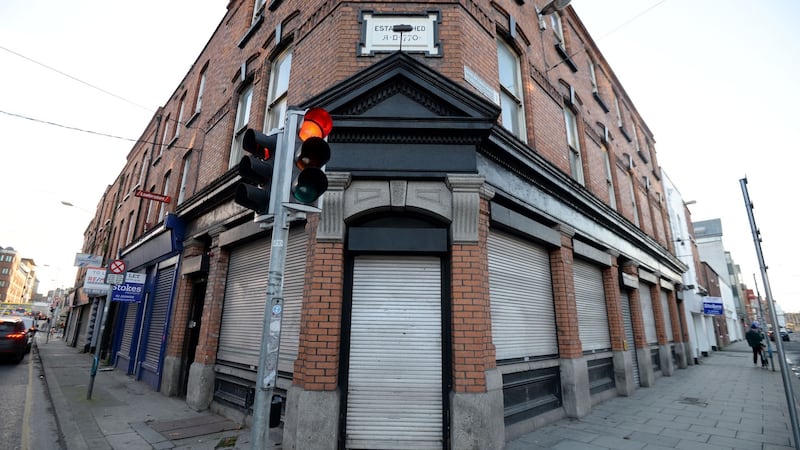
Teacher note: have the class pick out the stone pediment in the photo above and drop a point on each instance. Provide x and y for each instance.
(400, 92)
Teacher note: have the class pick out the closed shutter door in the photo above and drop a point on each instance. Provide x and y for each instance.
(158, 319)
(394, 396)
(520, 286)
(246, 295)
(667, 316)
(590, 299)
(647, 313)
(627, 322)
(128, 330)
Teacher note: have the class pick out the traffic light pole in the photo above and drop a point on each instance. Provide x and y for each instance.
(785, 374)
(273, 311)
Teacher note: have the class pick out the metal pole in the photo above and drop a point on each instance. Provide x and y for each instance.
(96, 359)
(763, 321)
(787, 383)
(273, 310)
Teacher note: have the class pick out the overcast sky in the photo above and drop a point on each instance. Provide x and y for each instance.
(713, 79)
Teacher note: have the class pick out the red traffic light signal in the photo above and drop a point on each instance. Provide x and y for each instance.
(253, 192)
(259, 144)
(313, 153)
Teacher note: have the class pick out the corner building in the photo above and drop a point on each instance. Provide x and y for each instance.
(493, 251)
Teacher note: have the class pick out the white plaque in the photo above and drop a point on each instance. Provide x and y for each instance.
(378, 35)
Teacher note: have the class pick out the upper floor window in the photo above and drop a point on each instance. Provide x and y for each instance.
(558, 29)
(131, 226)
(179, 122)
(163, 209)
(634, 204)
(242, 119)
(278, 91)
(164, 137)
(201, 86)
(512, 114)
(187, 163)
(573, 141)
(257, 7)
(612, 198)
(142, 171)
(593, 75)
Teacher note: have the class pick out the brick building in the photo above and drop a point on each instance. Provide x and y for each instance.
(493, 251)
(17, 277)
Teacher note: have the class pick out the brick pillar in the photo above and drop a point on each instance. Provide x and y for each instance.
(574, 370)
(642, 349)
(677, 330)
(200, 391)
(178, 332)
(314, 401)
(686, 323)
(664, 347)
(623, 375)
(477, 397)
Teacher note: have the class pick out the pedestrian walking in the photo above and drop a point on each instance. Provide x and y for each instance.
(754, 340)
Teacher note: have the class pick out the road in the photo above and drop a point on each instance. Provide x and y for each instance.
(28, 419)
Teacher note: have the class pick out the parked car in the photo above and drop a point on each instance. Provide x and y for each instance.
(30, 325)
(13, 338)
(784, 335)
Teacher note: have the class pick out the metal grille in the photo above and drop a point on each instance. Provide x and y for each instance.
(520, 285)
(394, 397)
(590, 299)
(627, 322)
(647, 313)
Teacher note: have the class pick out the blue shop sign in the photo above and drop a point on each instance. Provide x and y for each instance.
(131, 291)
(713, 308)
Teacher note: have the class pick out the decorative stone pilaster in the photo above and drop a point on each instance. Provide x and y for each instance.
(466, 191)
(331, 222)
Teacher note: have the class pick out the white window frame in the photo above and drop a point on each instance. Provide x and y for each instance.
(180, 117)
(131, 225)
(558, 28)
(258, 6)
(279, 76)
(612, 198)
(634, 203)
(574, 144)
(593, 74)
(242, 120)
(512, 105)
(618, 111)
(187, 164)
(162, 211)
(164, 137)
(200, 88)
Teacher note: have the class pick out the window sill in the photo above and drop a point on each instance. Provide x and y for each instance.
(251, 31)
(565, 56)
(600, 101)
(192, 119)
(624, 133)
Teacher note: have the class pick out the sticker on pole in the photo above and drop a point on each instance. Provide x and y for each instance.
(131, 291)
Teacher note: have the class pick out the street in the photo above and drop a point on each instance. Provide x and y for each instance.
(28, 416)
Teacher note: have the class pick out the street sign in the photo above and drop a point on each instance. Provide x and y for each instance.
(117, 266)
(152, 196)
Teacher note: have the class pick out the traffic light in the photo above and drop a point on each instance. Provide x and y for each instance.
(256, 171)
(311, 156)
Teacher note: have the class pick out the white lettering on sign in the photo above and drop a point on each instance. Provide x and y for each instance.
(378, 35)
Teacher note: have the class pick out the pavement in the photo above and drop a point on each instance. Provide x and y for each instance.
(722, 403)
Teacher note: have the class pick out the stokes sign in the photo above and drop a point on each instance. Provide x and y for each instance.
(131, 291)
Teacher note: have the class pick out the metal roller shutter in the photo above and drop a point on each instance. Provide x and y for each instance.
(647, 313)
(667, 317)
(520, 285)
(246, 295)
(394, 397)
(627, 323)
(590, 299)
(128, 330)
(158, 319)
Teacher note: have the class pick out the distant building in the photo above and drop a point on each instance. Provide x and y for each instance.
(17, 277)
(708, 234)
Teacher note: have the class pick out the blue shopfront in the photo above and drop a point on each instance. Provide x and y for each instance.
(141, 328)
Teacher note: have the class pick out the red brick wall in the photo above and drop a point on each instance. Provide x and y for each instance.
(561, 266)
(674, 316)
(616, 326)
(317, 364)
(658, 314)
(206, 352)
(473, 351)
